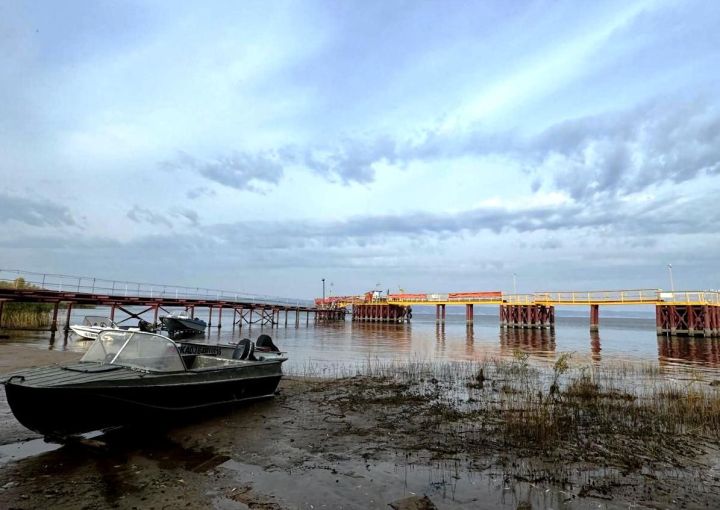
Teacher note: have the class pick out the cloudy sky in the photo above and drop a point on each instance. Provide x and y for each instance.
(428, 146)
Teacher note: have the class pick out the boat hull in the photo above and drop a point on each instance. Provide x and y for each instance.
(87, 332)
(59, 411)
(181, 328)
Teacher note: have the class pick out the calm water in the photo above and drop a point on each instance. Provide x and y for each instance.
(623, 336)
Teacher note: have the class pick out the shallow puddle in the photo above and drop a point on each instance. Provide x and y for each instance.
(22, 450)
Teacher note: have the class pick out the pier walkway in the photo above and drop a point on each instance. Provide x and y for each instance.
(148, 298)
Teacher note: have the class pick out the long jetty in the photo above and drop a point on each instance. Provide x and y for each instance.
(683, 313)
(690, 313)
(147, 298)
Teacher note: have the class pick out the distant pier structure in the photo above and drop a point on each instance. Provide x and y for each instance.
(683, 313)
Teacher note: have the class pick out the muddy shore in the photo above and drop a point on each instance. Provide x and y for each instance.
(358, 442)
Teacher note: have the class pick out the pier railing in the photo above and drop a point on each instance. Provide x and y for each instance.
(625, 297)
(99, 286)
(606, 297)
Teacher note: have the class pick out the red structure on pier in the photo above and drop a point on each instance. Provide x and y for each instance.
(527, 316)
(688, 320)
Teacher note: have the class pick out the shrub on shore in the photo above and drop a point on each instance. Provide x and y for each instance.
(24, 315)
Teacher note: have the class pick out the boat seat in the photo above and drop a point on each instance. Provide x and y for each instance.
(189, 360)
(243, 349)
(265, 343)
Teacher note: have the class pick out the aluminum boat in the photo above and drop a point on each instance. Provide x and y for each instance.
(133, 377)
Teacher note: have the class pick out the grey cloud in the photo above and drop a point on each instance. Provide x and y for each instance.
(365, 244)
(630, 151)
(198, 192)
(615, 153)
(610, 216)
(350, 160)
(240, 170)
(188, 214)
(144, 215)
(34, 212)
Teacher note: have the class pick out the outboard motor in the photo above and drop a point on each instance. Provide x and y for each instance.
(145, 326)
(265, 343)
(244, 350)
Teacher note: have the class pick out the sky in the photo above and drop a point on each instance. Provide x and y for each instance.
(433, 146)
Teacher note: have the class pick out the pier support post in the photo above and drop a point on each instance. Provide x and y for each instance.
(53, 325)
(672, 319)
(220, 317)
(690, 317)
(594, 317)
(297, 317)
(155, 313)
(210, 310)
(112, 313)
(67, 317)
(286, 317)
(469, 314)
(707, 321)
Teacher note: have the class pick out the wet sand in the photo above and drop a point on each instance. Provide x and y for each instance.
(351, 444)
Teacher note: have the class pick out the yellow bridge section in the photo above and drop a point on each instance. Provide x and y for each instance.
(595, 297)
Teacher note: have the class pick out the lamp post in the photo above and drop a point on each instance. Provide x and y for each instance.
(323, 301)
(514, 283)
(672, 284)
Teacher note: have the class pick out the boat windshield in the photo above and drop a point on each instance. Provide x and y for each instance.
(135, 349)
(98, 321)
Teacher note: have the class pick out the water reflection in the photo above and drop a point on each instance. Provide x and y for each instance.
(595, 347)
(337, 343)
(469, 340)
(688, 350)
(540, 342)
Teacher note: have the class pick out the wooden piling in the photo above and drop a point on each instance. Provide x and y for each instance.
(53, 325)
(594, 317)
(67, 317)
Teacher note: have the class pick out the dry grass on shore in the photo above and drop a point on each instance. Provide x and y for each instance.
(25, 318)
(623, 417)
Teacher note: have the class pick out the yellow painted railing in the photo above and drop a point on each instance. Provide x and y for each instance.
(607, 297)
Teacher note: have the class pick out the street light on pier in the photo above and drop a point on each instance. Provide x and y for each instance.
(672, 284)
(323, 301)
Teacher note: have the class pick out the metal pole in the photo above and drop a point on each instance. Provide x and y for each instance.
(672, 284)
(323, 301)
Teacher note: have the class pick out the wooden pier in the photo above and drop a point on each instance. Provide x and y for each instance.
(145, 301)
